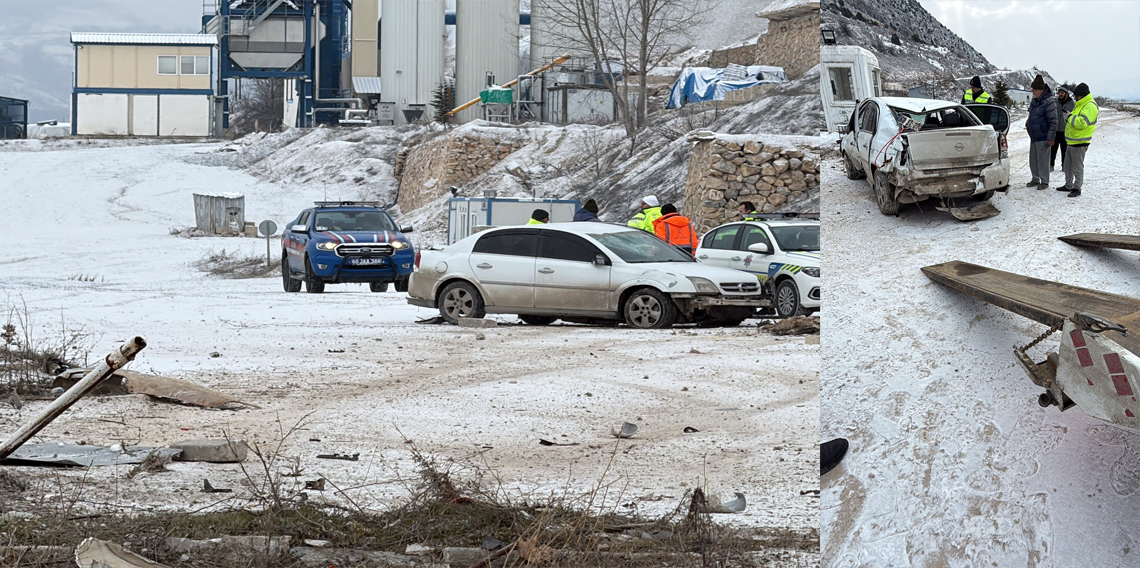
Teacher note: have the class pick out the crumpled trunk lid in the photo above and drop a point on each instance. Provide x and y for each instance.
(953, 148)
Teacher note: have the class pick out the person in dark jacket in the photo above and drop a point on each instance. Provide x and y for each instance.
(539, 217)
(588, 212)
(1064, 107)
(1042, 127)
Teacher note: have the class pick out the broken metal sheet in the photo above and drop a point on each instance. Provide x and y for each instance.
(627, 430)
(972, 213)
(130, 382)
(94, 553)
(74, 455)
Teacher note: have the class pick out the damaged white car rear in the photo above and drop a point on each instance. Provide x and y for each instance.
(911, 150)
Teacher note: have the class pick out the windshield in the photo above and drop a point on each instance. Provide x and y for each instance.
(640, 246)
(354, 221)
(950, 117)
(802, 238)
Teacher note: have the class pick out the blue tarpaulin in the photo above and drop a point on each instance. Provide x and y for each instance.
(707, 84)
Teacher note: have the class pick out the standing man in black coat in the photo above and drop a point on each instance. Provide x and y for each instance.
(1042, 127)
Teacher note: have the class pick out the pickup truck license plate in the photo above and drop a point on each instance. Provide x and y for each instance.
(367, 261)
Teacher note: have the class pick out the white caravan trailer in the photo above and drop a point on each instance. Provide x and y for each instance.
(469, 215)
(848, 74)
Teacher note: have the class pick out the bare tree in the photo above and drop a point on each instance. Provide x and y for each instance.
(259, 106)
(623, 37)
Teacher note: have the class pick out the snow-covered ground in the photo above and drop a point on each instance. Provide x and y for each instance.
(952, 462)
(75, 213)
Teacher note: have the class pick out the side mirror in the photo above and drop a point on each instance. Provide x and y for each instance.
(761, 248)
(599, 260)
(407, 229)
(299, 229)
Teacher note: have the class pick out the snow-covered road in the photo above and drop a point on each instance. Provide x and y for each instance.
(953, 463)
(75, 214)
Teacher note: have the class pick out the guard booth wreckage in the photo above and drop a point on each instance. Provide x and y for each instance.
(1097, 365)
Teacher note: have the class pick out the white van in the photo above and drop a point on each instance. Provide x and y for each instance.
(848, 74)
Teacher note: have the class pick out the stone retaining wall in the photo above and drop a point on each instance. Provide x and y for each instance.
(725, 171)
(430, 168)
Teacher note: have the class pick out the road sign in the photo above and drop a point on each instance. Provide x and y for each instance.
(267, 228)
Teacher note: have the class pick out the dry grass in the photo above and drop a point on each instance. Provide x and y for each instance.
(237, 265)
(442, 510)
(31, 355)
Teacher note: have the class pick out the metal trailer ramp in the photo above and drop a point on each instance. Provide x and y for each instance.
(1099, 240)
(1097, 364)
(1042, 301)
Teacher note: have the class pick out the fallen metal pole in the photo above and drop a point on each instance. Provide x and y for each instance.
(111, 363)
(472, 102)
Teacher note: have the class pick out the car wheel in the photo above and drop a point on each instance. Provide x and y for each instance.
(885, 195)
(313, 283)
(850, 169)
(537, 320)
(378, 286)
(460, 300)
(287, 280)
(648, 308)
(983, 196)
(788, 299)
(402, 284)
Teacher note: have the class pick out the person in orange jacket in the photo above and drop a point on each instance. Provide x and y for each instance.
(675, 229)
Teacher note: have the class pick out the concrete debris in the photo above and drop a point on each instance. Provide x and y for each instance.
(737, 505)
(463, 556)
(417, 550)
(94, 553)
(317, 543)
(241, 550)
(626, 430)
(797, 325)
(479, 336)
(74, 455)
(215, 451)
(811, 340)
(310, 557)
(477, 322)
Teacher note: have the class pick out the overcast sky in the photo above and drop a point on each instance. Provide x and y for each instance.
(1090, 41)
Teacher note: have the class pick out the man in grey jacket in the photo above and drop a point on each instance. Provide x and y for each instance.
(1042, 126)
(1064, 107)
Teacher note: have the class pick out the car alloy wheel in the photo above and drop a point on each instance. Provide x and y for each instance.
(787, 299)
(645, 311)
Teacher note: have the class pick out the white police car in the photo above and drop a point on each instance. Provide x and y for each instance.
(783, 254)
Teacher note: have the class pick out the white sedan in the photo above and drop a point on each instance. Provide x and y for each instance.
(580, 272)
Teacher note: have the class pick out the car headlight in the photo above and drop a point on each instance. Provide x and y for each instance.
(813, 272)
(704, 285)
(327, 245)
(400, 245)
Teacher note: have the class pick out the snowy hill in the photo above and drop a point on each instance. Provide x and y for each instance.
(909, 42)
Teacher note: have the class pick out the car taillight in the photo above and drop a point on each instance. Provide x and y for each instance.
(417, 260)
(1003, 145)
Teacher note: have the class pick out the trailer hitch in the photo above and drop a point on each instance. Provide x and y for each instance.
(1096, 324)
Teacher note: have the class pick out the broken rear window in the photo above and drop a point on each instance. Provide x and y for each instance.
(949, 117)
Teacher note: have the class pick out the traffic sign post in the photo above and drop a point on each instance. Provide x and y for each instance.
(267, 228)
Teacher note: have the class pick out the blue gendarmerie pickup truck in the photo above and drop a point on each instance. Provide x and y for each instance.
(345, 241)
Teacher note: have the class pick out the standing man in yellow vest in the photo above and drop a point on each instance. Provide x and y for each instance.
(650, 211)
(539, 217)
(976, 94)
(1079, 129)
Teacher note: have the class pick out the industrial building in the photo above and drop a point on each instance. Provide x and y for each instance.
(13, 118)
(142, 84)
